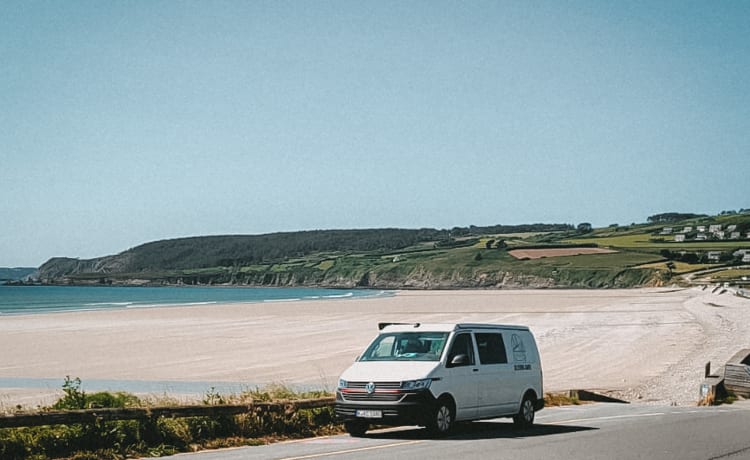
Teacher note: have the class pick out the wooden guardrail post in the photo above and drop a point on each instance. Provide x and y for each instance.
(136, 413)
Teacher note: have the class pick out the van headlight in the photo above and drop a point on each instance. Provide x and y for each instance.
(422, 384)
(343, 383)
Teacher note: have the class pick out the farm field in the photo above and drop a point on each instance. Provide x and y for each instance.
(556, 252)
(647, 241)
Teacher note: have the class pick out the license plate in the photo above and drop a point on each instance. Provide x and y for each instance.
(369, 413)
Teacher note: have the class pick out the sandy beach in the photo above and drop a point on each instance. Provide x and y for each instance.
(643, 345)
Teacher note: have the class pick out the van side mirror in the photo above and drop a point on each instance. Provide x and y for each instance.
(459, 360)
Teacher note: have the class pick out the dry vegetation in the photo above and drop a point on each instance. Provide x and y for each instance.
(556, 252)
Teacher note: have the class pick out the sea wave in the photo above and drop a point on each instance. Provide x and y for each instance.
(107, 304)
(179, 304)
(339, 296)
(53, 299)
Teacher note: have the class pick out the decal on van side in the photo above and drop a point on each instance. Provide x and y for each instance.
(519, 351)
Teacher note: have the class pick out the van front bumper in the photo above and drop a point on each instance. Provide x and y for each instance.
(413, 409)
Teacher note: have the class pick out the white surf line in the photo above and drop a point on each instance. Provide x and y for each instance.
(350, 451)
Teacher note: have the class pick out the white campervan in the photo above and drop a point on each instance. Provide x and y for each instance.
(436, 374)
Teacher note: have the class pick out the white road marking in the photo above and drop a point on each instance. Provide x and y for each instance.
(611, 417)
(349, 451)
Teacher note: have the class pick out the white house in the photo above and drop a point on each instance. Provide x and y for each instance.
(714, 228)
(735, 235)
(666, 231)
(719, 235)
(731, 228)
(687, 229)
(746, 258)
(679, 238)
(700, 236)
(701, 228)
(714, 256)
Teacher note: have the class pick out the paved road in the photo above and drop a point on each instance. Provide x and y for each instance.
(597, 431)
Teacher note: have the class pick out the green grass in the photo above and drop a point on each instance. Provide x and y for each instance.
(613, 260)
(730, 275)
(153, 437)
(679, 267)
(621, 241)
(325, 265)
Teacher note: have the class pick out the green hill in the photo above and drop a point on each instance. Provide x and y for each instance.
(535, 255)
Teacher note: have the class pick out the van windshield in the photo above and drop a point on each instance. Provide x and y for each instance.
(406, 346)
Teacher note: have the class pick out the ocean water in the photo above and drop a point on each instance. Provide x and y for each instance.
(16, 300)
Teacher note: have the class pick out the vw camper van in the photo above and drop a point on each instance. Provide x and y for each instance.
(434, 375)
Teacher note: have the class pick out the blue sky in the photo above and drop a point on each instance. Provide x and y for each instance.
(128, 122)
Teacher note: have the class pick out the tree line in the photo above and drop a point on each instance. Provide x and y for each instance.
(673, 217)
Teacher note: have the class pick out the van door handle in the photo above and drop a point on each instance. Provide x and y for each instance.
(475, 370)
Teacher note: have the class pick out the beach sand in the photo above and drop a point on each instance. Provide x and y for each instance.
(643, 345)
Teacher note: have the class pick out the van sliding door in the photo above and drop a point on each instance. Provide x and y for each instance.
(497, 382)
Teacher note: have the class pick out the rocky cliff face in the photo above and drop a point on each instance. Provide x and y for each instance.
(58, 269)
(422, 279)
(349, 272)
(75, 271)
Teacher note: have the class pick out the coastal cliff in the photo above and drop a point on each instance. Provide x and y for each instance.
(526, 256)
(467, 263)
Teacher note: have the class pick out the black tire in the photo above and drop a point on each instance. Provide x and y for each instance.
(525, 416)
(356, 428)
(442, 418)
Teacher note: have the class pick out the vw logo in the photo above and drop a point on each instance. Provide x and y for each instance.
(370, 387)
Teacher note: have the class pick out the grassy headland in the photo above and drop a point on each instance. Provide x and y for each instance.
(649, 254)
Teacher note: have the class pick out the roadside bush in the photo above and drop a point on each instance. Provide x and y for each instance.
(75, 398)
(153, 437)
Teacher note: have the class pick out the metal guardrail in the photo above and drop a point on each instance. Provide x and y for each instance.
(140, 413)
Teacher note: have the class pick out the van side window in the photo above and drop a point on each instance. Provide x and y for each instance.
(462, 346)
(519, 351)
(491, 348)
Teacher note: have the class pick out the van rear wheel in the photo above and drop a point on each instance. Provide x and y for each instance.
(525, 416)
(356, 428)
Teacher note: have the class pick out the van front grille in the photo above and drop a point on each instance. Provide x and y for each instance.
(383, 392)
(375, 397)
(378, 385)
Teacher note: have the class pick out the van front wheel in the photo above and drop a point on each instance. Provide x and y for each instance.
(525, 416)
(356, 428)
(442, 418)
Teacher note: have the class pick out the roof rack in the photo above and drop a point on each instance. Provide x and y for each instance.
(490, 326)
(382, 326)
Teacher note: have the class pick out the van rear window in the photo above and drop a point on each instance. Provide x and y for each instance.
(406, 346)
(491, 348)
